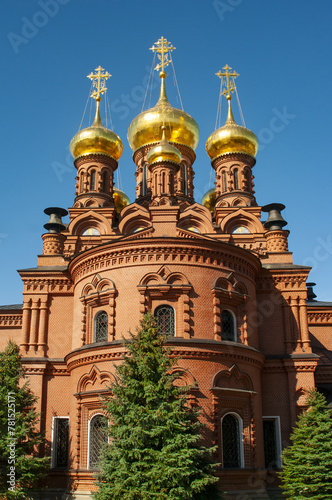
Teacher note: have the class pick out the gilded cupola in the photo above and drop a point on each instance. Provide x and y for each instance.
(231, 138)
(164, 151)
(146, 128)
(97, 139)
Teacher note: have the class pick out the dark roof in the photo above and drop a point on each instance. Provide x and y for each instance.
(318, 303)
(12, 307)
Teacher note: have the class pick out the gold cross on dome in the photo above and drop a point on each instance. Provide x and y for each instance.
(99, 84)
(230, 85)
(162, 47)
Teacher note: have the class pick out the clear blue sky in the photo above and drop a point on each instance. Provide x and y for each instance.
(281, 49)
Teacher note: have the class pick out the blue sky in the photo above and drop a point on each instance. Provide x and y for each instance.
(282, 51)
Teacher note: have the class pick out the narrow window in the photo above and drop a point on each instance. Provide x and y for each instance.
(164, 315)
(144, 189)
(97, 437)
(101, 326)
(105, 182)
(248, 179)
(171, 183)
(163, 180)
(231, 444)
(236, 179)
(224, 181)
(93, 181)
(185, 180)
(60, 442)
(272, 447)
(227, 326)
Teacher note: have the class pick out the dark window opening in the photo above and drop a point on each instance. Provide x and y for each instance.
(61, 442)
(227, 326)
(231, 450)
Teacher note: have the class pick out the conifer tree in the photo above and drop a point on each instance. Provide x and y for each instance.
(307, 470)
(19, 470)
(155, 449)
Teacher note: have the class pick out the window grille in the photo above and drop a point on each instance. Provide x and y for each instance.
(98, 436)
(61, 442)
(270, 444)
(165, 319)
(101, 326)
(231, 451)
(227, 325)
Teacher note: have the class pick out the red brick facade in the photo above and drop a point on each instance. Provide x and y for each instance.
(166, 249)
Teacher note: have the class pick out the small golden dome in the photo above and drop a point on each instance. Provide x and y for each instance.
(231, 138)
(209, 199)
(146, 127)
(121, 200)
(164, 151)
(96, 139)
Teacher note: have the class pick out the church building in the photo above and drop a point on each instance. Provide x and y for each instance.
(239, 314)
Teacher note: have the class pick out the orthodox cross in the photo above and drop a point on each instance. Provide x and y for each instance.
(230, 84)
(99, 80)
(162, 47)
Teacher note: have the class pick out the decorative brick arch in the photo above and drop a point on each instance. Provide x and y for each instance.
(95, 380)
(233, 378)
(198, 217)
(168, 287)
(134, 216)
(241, 218)
(99, 293)
(230, 294)
(90, 219)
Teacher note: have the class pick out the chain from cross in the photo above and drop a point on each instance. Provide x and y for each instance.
(99, 80)
(230, 86)
(162, 47)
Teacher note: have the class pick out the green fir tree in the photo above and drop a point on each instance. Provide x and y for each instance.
(155, 449)
(19, 469)
(307, 470)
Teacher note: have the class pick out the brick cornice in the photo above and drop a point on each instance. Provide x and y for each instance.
(11, 320)
(163, 251)
(179, 347)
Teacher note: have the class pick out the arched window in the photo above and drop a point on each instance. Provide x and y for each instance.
(101, 326)
(164, 315)
(98, 433)
(224, 181)
(105, 182)
(231, 432)
(185, 180)
(228, 326)
(93, 181)
(236, 179)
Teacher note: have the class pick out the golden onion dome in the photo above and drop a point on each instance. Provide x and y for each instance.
(121, 200)
(146, 128)
(209, 199)
(164, 151)
(96, 139)
(231, 138)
